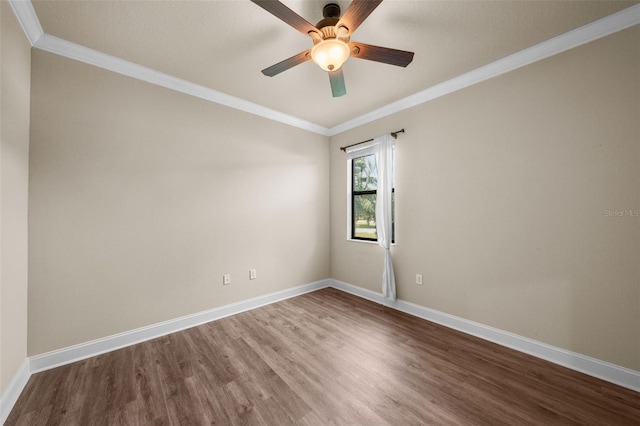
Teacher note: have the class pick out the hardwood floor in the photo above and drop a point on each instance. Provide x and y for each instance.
(323, 358)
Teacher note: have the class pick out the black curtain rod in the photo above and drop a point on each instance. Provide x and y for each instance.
(394, 134)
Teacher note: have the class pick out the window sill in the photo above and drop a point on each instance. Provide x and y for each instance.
(366, 241)
(362, 241)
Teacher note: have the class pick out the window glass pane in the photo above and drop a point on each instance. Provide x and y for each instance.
(364, 216)
(365, 173)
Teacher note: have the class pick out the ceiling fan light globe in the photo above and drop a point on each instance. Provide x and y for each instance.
(330, 54)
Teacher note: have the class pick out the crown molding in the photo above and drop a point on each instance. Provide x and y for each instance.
(26, 15)
(89, 56)
(618, 21)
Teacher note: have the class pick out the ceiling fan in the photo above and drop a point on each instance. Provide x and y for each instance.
(331, 40)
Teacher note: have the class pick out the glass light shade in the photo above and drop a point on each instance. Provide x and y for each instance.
(330, 54)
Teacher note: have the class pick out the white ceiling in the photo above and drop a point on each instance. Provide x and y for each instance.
(223, 45)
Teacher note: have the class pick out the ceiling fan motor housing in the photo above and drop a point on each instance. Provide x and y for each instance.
(331, 10)
(327, 26)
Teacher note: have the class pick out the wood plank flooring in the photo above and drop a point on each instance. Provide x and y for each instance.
(324, 358)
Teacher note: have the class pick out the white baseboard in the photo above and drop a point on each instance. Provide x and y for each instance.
(85, 350)
(603, 370)
(13, 391)
(616, 374)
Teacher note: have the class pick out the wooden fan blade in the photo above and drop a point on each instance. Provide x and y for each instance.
(287, 15)
(336, 78)
(386, 55)
(356, 13)
(287, 63)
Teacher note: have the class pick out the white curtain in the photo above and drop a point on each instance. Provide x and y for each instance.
(383, 149)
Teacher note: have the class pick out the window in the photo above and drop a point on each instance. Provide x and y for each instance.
(363, 186)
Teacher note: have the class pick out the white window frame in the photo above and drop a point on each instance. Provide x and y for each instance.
(361, 151)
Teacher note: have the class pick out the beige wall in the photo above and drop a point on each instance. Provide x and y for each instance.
(502, 193)
(14, 177)
(142, 198)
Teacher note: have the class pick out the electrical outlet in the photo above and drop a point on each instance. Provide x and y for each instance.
(419, 279)
(226, 279)
(252, 274)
